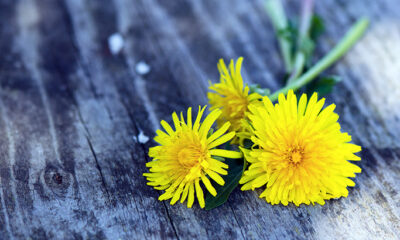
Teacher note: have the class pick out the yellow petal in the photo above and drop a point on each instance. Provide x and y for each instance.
(217, 178)
(225, 153)
(199, 193)
(221, 140)
(177, 123)
(190, 196)
(219, 132)
(208, 185)
(208, 122)
(189, 117)
(167, 127)
(196, 124)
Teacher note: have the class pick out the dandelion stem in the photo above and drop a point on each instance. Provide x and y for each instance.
(351, 37)
(303, 36)
(278, 18)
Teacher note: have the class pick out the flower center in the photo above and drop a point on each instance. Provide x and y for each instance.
(188, 157)
(295, 155)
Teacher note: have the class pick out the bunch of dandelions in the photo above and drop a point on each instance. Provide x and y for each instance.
(293, 149)
(297, 151)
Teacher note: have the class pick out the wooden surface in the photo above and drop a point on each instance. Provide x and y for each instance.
(70, 114)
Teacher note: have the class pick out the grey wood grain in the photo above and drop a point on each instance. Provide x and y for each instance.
(71, 112)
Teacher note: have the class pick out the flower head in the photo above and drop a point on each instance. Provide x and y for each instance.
(302, 156)
(232, 96)
(184, 157)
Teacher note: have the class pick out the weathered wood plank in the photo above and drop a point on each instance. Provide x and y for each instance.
(69, 111)
(188, 223)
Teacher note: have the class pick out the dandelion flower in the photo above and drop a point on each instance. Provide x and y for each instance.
(299, 152)
(232, 96)
(184, 157)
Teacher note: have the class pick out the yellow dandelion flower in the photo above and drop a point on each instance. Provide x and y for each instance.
(302, 156)
(184, 157)
(232, 96)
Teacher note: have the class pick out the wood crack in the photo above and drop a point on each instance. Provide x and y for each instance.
(99, 169)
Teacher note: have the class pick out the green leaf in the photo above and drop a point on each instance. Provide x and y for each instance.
(235, 172)
(289, 33)
(317, 27)
(307, 46)
(323, 85)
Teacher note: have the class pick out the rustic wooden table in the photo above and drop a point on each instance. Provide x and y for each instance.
(71, 112)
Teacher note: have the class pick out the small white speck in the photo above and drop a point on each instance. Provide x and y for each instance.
(141, 138)
(142, 68)
(115, 43)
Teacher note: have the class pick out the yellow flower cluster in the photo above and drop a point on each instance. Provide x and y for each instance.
(299, 153)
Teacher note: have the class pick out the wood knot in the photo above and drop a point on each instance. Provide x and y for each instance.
(57, 179)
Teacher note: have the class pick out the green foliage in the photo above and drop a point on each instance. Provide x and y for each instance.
(323, 85)
(256, 88)
(307, 45)
(289, 33)
(317, 27)
(235, 171)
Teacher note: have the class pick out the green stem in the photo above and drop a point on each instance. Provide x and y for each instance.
(303, 35)
(279, 21)
(299, 62)
(338, 51)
